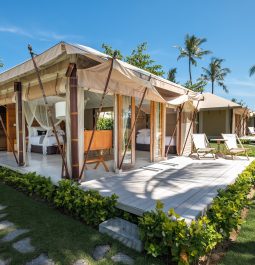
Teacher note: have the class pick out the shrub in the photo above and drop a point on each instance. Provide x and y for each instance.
(105, 124)
(167, 234)
(89, 206)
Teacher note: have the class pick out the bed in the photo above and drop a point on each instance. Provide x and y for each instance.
(143, 141)
(45, 143)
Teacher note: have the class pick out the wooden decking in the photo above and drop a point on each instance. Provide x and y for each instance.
(181, 183)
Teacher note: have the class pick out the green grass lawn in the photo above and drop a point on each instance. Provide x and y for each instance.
(242, 252)
(251, 151)
(61, 237)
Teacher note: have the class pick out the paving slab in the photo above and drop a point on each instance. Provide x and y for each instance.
(5, 262)
(122, 258)
(3, 215)
(43, 259)
(100, 252)
(14, 234)
(24, 246)
(81, 262)
(5, 224)
(125, 232)
(2, 207)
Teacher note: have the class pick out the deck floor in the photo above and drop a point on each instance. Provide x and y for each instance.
(182, 183)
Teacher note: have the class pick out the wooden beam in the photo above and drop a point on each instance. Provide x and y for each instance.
(73, 84)
(19, 122)
(179, 132)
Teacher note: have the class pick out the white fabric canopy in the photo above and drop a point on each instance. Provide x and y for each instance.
(35, 110)
(123, 81)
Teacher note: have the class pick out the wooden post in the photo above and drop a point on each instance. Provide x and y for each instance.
(120, 128)
(73, 81)
(152, 131)
(133, 123)
(163, 129)
(19, 122)
(179, 132)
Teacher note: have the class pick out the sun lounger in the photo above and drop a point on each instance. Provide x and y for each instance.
(202, 146)
(231, 144)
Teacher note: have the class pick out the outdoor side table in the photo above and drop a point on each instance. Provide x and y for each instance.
(218, 142)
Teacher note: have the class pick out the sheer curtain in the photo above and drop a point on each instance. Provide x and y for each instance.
(35, 110)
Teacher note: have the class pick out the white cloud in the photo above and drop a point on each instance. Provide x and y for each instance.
(38, 34)
(242, 82)
(15, 30)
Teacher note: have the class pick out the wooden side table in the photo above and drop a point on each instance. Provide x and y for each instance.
(218, 141)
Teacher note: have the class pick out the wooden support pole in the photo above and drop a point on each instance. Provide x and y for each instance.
(73, 84)
(19, 123)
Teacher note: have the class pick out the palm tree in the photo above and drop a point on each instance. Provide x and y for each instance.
(215, 73)
(252, 70)
(192, 51)
(171, 75)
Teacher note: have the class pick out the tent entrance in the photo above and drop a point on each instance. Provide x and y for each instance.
(3, 138)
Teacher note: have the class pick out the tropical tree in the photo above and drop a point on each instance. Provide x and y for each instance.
(198, 86)
(216, 74)
(1, 63)
(171, 75)
(192, 50)
(109, 50)
(240, 102)
(143, 60)
(252, 70)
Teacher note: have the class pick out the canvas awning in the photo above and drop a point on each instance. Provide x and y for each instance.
(191, 96)
(213, 102)
(131, 81)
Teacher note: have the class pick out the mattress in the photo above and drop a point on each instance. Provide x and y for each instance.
(145, 139)
(49, 141)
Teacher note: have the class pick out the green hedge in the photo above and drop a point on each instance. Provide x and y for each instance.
(89, 206)
(168, 234)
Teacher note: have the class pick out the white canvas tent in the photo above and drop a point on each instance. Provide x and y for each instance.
(92, 71)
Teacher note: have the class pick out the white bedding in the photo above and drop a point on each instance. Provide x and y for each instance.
(145, 139)
(49, 141)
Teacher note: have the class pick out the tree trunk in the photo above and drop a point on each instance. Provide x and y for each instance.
(190, 77)
(212, 87)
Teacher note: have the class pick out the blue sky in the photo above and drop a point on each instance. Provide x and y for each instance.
(228, 26)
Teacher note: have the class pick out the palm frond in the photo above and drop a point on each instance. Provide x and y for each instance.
(252, 70)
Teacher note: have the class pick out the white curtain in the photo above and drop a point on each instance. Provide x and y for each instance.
(35, 110)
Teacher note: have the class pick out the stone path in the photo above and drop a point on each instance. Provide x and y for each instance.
(24, 246)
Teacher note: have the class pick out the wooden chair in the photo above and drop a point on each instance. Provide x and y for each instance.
(232, 146)
(202, 145)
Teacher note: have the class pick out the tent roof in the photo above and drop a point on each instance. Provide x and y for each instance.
(62, 49)
(212, 101)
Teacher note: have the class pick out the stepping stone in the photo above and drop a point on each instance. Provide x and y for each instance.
(13, 234)
(81, 262)
(100, 252)
(5, 262)
(122, 258)
(2, 215)
(24, 246)
(2, 207)
(125, 232)
(5, 224)
(41, 260)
